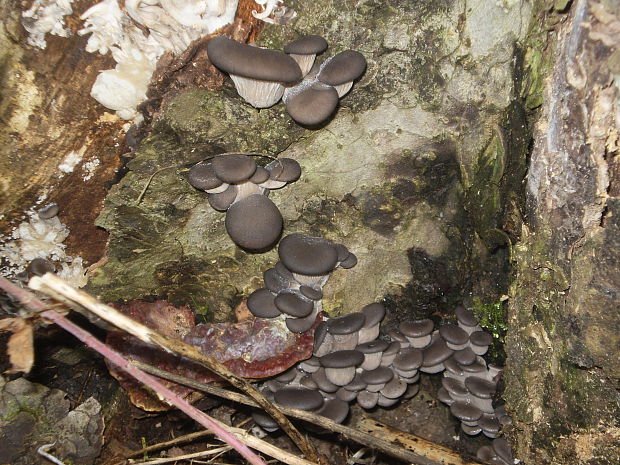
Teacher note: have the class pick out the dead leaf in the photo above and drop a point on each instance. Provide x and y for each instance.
(20, 347)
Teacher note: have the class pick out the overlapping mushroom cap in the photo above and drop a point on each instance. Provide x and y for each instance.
(293, 287)
(258, 73)
(238, 186)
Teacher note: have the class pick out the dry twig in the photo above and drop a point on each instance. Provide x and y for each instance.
(398, 444)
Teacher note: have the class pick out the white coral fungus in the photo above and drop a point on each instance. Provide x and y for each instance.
(138, 35)
(46, 16)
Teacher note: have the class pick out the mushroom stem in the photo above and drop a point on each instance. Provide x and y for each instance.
(261, 94)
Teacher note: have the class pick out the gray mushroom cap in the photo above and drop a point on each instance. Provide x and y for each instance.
(346, 324)
(357, 384)
(465, 317)
(503, 449)
(284, 169)
(223, 200)
(307, 45)
(313, 293)
(436, 353)
(408, 359)
(301, 325)
(454, 386)
(311, 104)
(307, 382)
(293, 305)
(465, 356)
(265, 421)
(480, 338)
(254, 222)
(260, 175)
(233, 168)
(319, 335)
(367, 400)
(453, 334)
(252, 62)
(379, 375)
(261, 304)
(48, 211)
(480, 387)
(342, 359)
(489, 424)
(336, 410)
(321, 380)
(397, 336)
(276, 282)
(394, 388)
(465, 412)
(349, 262)
(417, 328)
(299, 397)
(372, 347)
(344, 67)
(202, 176)
(307, 255)
(287, 376)
(373, 313)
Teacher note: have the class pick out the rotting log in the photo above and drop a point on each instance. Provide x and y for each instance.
(563, 342)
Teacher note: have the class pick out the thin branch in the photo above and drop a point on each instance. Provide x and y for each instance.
(52, 285)
(398, 444)
(195, 455)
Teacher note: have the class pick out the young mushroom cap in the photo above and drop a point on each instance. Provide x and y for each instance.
(299, 397)
(464, 356)
(373, 314)
(233, 168)
(346, 324)
(261, 304)
(342, 359)
(294, 305)
(260, 175)
(202, 176)
(381, 375)
(480, 387)
(349, 262)
(307, 255)
(408, 359)
(465, 412)
(306, 45)
(436, 353)
(276, 282)
(314, 293)
(464, 316)
(254, 222)
(301, 325)
(481, 338)
(48, 211)
(252, 62)
(223, 200)
(452, 334)
(417, 328)
(342, 69)
(336, 410)
(284, 169)
(311, 103)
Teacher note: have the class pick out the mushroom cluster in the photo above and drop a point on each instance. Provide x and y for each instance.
(262, 77)
(469, 385)
(294, 286)
(238, 186)
(351, 361)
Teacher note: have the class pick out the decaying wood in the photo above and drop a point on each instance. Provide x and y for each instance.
(54, 286)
